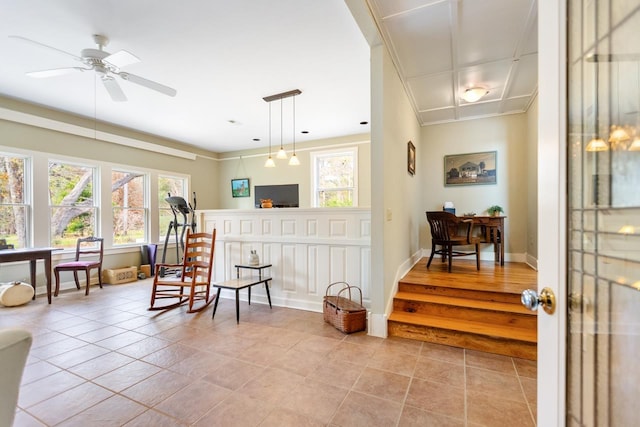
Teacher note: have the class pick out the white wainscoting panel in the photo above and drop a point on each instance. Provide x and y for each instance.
(309, 249)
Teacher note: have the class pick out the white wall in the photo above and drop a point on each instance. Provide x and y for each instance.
(509, 136)
(395, 200)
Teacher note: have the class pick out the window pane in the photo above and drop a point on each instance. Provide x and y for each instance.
(128, 226)
(335, 172)
(70, 185)
(70, 223)
(129, 207)
(127, 189)
(168, 185)
(71, 200)
(335, 178)
(335, 198)
(13, 203)
(13, 225)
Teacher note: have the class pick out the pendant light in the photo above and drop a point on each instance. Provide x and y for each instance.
(293, 161)
(282, 154)
(269, 163)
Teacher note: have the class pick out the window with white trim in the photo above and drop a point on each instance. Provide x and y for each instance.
(335, 178)
(130, 207)
(15, 203)
(73, 198)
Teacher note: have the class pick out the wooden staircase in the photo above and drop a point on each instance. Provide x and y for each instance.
(466, 308)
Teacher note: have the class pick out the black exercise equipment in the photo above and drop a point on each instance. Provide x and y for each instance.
(179, 206)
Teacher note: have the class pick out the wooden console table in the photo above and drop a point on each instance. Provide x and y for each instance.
(31, 255)
(492, 231)
(238, 283)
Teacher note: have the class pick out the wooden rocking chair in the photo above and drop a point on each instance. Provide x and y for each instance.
(191, 281)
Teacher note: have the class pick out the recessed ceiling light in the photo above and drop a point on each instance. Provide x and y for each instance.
(474, 94)
(304, 131)
(364, 123)
(256, 139)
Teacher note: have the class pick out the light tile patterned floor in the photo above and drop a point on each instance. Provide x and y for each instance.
(105, 360)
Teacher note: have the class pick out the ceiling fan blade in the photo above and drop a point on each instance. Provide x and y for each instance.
(114, 89)
(121, 59)
(54, 72)
(24, 39)
(149, 84)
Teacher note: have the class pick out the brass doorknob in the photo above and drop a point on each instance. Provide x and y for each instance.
(532, 300)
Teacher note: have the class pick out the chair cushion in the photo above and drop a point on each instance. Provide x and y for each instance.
(78, 264)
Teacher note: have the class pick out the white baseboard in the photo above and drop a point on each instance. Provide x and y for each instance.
(378, 325)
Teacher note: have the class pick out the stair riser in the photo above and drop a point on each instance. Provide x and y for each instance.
(506, 347)
(465, 313)
(460, 293)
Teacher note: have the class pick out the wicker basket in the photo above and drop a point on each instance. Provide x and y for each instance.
(346, 315)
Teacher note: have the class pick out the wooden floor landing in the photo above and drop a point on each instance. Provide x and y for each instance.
(513, 277)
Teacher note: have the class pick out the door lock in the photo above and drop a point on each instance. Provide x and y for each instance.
(532, 300)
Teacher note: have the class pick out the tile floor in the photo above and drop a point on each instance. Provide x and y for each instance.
(104, 360)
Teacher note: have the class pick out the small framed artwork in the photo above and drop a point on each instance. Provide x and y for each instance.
(411, 158)
(240, 187)
(471, 169)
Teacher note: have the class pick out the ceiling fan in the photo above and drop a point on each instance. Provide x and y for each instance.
(106, 65)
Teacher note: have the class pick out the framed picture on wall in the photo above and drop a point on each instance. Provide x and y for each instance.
(471, 169)
(240, 187)
(411, 158)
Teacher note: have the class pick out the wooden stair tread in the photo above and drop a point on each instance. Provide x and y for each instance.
(465, 302)
(501, 331)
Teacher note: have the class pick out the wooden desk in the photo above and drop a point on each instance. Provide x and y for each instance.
(31, 255)
(238, 283)
(492, 231)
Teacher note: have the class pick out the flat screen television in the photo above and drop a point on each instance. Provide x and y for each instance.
(282, 196)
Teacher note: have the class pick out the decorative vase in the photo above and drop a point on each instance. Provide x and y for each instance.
(253, 258)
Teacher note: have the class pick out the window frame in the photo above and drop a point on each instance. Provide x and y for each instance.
(96, 195)
(315, 156)
(164, 207)
(145, 205)
(27, 196)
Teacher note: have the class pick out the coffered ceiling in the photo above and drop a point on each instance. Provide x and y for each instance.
(442, 47)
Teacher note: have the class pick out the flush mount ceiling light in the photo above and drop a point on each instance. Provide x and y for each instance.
(282, 154)
(474, 94)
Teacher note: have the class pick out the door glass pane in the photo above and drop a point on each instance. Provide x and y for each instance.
(604, 212)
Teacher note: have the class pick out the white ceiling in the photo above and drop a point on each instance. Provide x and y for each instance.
(221, 56)
(224, 56)
(442, 47)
